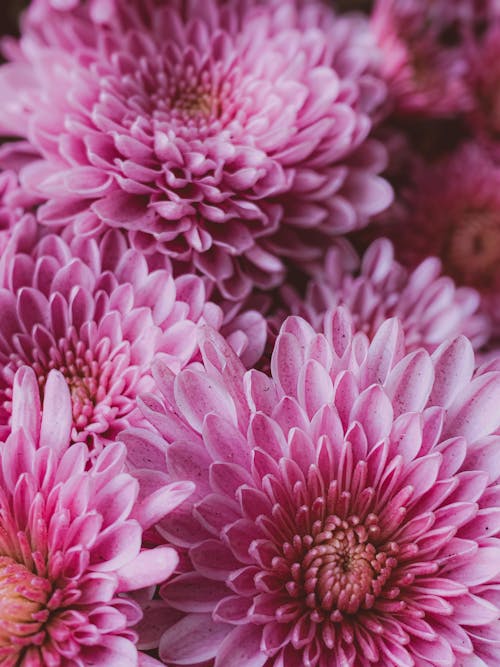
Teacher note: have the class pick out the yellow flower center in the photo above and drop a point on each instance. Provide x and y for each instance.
(23, 597)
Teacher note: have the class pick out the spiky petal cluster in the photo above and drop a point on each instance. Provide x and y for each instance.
(218, 133)
(98, 313)
(425, 61)
(454, 213)
(70, 539)
(346, 507)
(377, 287)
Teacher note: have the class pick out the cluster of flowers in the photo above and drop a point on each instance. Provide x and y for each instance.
(250, 334)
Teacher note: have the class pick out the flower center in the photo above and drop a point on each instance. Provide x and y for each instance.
(192, 100)
(340, 568)
(185, 98)
(83, 375)
(472, 254)
(23, 597)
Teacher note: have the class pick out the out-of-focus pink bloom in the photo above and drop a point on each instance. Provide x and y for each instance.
(222, 134)
(99, 313)
(70, 539)
(425, 63)
(454, 213)
(346, 507)
(101, 11)
(485, 85)
(376, 287)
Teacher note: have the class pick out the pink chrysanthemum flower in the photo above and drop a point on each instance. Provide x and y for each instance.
(70, 540)
(376, 287)
(98, 313)
(485, 84)
(454, 213)
(346, 507)
(425, 63)
(223, 134)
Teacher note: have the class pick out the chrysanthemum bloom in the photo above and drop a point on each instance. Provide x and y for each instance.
(455, 215)
(485, 84)
(223, 134)
(98, 313)
(346, 507)
(376, 287)
(70, 540)
(425, 63)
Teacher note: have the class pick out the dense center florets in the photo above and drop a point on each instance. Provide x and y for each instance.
(188, 97)
(87, 383)
(90, 375)
(472, 252)
(338, 568)
(22, 598)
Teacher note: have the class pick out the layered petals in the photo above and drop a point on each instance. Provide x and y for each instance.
(167, 120)
(345, 504)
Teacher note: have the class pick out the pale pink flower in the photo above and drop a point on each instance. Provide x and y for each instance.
(485, 84)
(222, 134)
(101, 11)
(346, 507)
(70, 540)
(99, 313)
(376, 287)
(425, 60)
(454, 213)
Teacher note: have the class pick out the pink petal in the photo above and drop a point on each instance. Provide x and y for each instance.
(195, 638)
(475, 411)
(57, 417)
(242, 647)
(410, 382)
(192, 592)
(197, 395)
(453, 368)
(373, 410)
(151, 566)
(26, 403)
(212, 559)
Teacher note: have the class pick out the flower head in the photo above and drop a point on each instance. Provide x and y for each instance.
(70, 539)
(376, 287)
(345, 506)
(454, 213)
(222, 134)
(425, 61)
(98, 313)
(485, 83)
